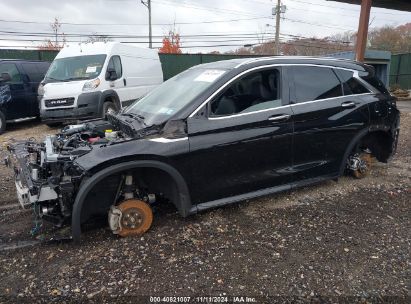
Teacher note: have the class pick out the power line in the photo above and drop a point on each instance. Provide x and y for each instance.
(137, 24)
(217, 10)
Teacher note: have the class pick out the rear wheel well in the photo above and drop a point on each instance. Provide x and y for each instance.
(378, 142)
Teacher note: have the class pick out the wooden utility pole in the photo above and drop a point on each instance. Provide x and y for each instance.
(363, 30)
(148, 5)
(277, 27)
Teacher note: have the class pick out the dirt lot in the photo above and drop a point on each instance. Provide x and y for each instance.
(335, 240)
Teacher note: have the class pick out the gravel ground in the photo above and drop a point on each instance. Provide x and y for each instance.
(339, 241)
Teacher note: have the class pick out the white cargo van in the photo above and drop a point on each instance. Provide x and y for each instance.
(88, 80)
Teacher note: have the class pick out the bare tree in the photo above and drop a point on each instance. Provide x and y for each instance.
(59, 39)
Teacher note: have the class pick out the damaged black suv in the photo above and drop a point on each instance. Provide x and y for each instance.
(215, 134)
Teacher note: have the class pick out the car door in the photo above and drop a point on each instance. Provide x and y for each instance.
(18, 106)
(241, 140)
(32, 76)
(325, 120)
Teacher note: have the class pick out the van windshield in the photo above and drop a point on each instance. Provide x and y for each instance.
(173, 95)
(75, 68)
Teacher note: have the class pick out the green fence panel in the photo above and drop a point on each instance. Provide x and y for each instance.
(176, 63)
(400, 71)
(28, 54)
(172, 63)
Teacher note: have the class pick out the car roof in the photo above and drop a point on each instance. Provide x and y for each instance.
(261, 61)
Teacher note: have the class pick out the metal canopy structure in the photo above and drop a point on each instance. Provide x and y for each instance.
(402, 5)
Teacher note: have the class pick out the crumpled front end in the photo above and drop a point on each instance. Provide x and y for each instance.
(45, 178)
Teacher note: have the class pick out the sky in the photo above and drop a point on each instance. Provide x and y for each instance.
(205, 26)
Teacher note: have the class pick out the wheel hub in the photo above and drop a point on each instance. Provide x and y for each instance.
(131, 217)
(360, 164)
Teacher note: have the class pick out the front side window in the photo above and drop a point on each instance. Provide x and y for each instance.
(351, 85)
(75, 68)
(115, 64)
(254, 92)
(11, 69)
(314, 83)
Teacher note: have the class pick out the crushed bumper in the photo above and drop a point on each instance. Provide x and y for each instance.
(29, 190)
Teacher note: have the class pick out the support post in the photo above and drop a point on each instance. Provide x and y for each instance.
(363, 30)
(277, 28)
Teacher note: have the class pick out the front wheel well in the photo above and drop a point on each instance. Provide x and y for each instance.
(98, 192)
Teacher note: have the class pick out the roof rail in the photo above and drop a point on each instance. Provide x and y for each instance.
(251, 60)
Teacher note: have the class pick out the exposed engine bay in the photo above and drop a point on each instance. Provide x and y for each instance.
(47, 177)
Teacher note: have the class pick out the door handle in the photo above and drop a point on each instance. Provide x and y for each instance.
(124, 81)
(348, 104)
(278, 118)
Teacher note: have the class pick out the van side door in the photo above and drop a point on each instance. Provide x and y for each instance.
(17, 107)
(325, 120)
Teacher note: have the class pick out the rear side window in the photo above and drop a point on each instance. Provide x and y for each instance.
(11, 69)
(314, 83)
(34, 71)
(351, 85)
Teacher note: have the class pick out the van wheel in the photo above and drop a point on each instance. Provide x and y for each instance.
(2, 122)
(109, 107)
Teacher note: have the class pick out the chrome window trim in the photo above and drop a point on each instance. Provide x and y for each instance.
(355, 74)
(248, 113)
(167, 140)
(325, 99)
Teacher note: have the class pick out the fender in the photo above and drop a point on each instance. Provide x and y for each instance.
(354, 141)
(105, 95)
(183, 205)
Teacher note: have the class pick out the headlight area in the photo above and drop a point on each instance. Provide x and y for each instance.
(91, 85)
(44, 181)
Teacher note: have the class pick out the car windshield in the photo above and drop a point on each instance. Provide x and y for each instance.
(173, 95)
(75, 68)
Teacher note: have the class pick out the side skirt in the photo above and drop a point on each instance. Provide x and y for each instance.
(242, 197)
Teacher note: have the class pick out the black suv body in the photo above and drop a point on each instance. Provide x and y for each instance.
(19, 81)
(215, 134)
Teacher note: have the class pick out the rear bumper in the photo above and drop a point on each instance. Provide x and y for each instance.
(88, 106)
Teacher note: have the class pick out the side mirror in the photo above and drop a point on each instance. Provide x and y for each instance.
(5, 77)
(111, 74)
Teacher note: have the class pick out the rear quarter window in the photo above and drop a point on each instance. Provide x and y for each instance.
(351, 85)
(376, 83)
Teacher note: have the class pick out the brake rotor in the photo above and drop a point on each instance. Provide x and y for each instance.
(136, 217)
(364, 165)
